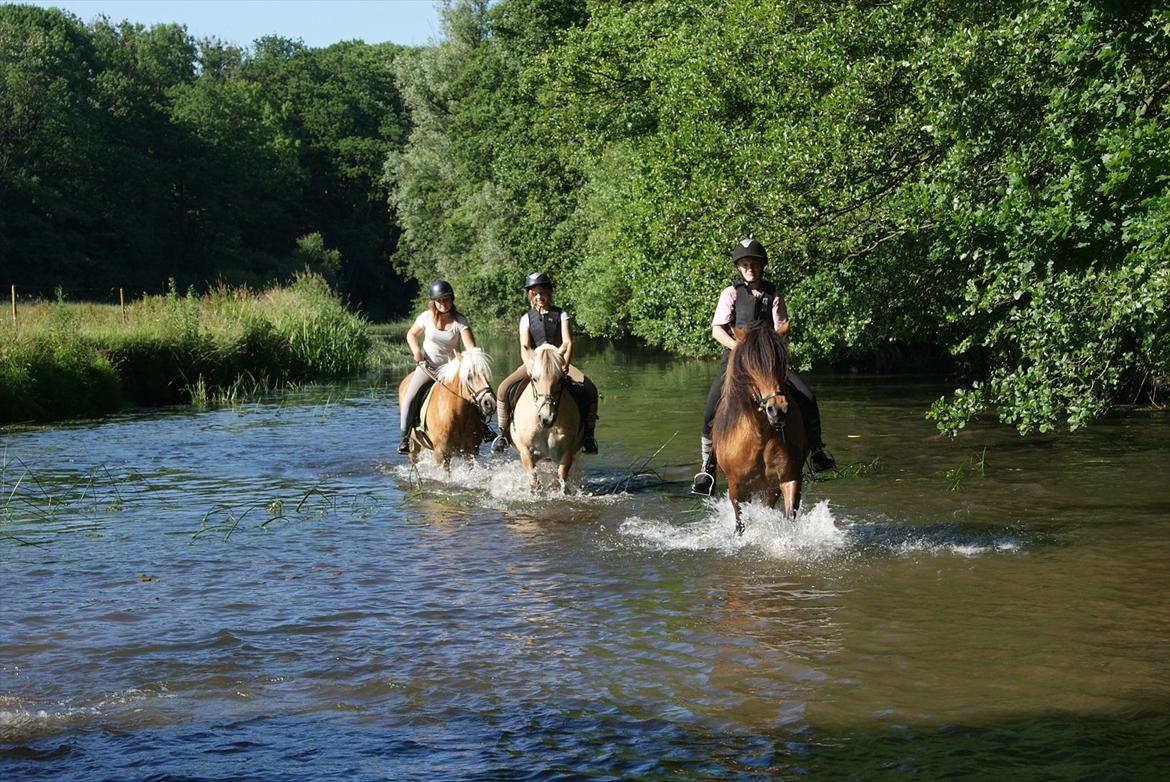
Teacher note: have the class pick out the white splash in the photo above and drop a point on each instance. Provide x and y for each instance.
(502, 480)
(813, 534)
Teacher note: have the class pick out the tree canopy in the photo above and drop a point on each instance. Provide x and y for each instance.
(982, 185)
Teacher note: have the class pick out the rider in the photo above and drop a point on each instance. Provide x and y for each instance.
(747, 300)
(442, 327)
(546, 324)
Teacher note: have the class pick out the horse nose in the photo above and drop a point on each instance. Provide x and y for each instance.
(488, 406)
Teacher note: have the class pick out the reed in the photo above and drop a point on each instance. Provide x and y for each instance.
(66, 360)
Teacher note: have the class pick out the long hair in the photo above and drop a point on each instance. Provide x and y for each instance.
(453, 312)
(760, 360)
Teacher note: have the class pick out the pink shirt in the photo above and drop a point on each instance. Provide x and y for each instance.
(725, 309)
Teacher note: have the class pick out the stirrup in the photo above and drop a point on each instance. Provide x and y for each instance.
(500, 444)
(822, 461)
(703, 484)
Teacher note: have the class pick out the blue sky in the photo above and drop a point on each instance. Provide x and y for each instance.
(317, 22)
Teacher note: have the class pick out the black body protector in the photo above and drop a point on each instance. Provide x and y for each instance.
(545, 329)
(750, 308)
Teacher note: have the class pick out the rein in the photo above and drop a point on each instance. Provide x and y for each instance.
(476, 396)
(552, 400)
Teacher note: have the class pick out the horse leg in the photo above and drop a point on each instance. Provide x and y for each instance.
(563, 473)
(733, 495)
(791, 491)
(529, 465)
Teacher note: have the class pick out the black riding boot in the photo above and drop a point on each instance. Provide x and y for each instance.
(412, 414)
(810, 414)
(704, 482)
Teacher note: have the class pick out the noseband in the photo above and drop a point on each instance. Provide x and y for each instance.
(552, 400)
(761, 400)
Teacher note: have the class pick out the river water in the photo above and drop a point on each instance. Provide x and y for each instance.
(266, 592)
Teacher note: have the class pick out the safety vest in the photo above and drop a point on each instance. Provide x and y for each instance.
(546, 328)
(750, 308)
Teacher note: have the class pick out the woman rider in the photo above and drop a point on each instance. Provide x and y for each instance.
(747, 300)
(441, 327)
(546, 324)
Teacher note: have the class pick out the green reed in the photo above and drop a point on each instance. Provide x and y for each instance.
(65, 360)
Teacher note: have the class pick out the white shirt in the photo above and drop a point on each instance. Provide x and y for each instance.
(439, 345)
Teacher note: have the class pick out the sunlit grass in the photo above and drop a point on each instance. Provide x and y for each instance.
(65, 359)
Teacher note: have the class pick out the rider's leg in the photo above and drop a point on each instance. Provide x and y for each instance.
(504, 407)
(409, 404)
(704, 482)
(587, 402)
(810, 414)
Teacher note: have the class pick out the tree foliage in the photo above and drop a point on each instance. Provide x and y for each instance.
(983, 185)
(131, 155)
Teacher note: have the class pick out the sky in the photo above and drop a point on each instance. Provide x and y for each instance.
(318, 23)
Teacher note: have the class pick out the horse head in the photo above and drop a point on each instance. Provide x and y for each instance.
(473, 368)
(546, 370)
(759, 366)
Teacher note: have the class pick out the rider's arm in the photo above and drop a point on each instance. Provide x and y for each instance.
(525, 341)
(567, 340)
(780, 315)
(412, 341)
(722, 336)
(468, 338)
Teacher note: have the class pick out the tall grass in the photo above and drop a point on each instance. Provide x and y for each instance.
(65, 360)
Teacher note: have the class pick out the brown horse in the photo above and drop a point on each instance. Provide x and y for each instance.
(758, 432)
(546, 424)
(461, 399)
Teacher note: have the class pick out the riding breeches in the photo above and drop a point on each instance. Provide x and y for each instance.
(410, 400)
(810, 412)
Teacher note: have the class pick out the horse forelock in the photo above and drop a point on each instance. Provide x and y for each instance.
(758, 363)
(547, 363)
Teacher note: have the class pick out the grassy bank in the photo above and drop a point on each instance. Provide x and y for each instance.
(64, 360)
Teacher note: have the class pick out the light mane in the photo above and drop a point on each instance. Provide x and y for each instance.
(468, 366)
(547, 361)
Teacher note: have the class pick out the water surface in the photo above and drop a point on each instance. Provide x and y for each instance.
(268, 592)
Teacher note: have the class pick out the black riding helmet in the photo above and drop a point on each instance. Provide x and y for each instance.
(441, 288)
(537, 278)
(749, 248)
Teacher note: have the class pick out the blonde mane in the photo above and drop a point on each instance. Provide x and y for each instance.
(547, 361)
(470, 365)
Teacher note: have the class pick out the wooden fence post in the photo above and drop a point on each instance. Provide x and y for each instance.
(14, 306)
(122, 302)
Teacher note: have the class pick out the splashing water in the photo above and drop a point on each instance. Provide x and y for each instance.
(813, 534)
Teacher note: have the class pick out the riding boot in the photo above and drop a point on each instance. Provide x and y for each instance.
(810, 414)
(589, 443)
(704, 481)
(412, 414)
(503, 417)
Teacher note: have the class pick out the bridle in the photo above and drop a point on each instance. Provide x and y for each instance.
(553, 401)
(476, 396)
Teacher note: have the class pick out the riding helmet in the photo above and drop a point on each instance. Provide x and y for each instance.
(441, 288)
(749, 248)
(537, 278)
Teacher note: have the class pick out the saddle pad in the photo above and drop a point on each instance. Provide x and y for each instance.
(426, 404)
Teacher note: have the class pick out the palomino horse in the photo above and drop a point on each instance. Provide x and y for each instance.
(461, 399)
(758, 432)
(546, 424)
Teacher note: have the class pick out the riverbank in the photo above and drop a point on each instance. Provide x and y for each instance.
(67, 360)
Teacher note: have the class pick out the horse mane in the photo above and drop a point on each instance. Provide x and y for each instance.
(547, 361)
(759, 360)
(469, 364)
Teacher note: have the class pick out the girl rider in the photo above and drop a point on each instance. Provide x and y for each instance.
(544, 323)
(742, 303)
(442, 327)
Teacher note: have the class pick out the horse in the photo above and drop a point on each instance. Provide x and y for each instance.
(758, 433)
(547, 428)
(460, 401)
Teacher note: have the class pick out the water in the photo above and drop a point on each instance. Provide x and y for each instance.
(266, 592)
